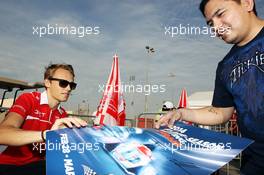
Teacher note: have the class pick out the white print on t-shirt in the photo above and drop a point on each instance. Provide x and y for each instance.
(242, 67)
(39, 114)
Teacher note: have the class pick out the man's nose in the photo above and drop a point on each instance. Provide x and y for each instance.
(218, 25)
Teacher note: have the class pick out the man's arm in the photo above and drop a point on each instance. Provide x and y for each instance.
(204, 116)
(11, 134)
(208, 115)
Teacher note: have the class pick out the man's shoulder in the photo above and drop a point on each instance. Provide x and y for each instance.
(226, 58)
(252, 45)
(229, 54)
(36, 93)
(30, 95)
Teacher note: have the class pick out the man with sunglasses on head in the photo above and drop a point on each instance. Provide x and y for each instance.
(239, 83)
(33, 114)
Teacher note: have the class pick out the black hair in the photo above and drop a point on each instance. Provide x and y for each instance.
(204, 2)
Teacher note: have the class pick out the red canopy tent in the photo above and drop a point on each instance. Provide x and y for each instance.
(183, 99)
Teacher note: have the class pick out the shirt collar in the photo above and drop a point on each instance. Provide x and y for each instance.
(44, 100)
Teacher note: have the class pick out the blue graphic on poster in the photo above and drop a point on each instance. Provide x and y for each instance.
(183, 149)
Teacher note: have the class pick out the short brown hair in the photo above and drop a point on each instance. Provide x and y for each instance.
(204, 2)
(51, 68)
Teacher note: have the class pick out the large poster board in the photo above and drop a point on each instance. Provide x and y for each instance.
(184, 149)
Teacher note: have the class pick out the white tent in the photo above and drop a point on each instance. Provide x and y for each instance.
(200, 99)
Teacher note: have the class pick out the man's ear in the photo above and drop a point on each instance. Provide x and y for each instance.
(47, 83)
(248, 5)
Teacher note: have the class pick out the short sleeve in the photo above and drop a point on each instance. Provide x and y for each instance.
(23, 104)
(222, 97)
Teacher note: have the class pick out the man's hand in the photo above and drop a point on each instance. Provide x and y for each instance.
(68, 122)
(169, 119)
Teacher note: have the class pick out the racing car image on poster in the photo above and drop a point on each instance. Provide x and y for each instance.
(183, 149)
(132, 157)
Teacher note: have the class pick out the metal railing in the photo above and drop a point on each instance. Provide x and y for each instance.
(147, 119)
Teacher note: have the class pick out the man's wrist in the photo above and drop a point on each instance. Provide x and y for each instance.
(179, 113)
